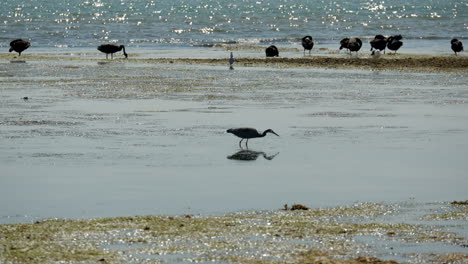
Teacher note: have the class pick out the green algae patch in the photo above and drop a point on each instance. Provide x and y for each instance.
(317, 235)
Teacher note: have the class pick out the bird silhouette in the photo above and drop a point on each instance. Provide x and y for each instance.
(352, 44)
(394, 42)
(307, 43)
(457, 45)
(19, 45)
(111, 49)
(231, 62)
(378, 43)
(248, 133)
(272, 51)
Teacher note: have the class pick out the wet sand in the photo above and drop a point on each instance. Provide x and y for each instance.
(387, 62)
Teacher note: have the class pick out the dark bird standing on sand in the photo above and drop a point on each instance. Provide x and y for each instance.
(247, 133)
(272, 51)
(307, 43)
(352, 44)
(394, 42)
(19, 45)
(457, 45)
(378, 43)
(111, 49)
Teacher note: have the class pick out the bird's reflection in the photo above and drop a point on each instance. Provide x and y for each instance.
(246, 154)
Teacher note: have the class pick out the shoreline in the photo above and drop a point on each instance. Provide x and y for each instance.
(387, 62)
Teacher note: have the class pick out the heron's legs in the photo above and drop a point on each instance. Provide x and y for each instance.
(240, 146)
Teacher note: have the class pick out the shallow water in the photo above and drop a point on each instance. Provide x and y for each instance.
(124, 138)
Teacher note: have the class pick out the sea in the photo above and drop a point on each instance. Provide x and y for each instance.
(427, 26)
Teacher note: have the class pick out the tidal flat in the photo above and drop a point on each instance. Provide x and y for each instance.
(128, 161)
(361, 233)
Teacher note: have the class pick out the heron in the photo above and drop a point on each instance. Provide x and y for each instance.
(307, 43)
(231, 62)
(378, 43)
(457, 45)
(247, 133)
(111, 49)
(19, 45)
(394, 42)
(352, 44)
(272, 51)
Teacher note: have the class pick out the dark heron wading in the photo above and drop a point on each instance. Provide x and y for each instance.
(111, 49)
(247, 133)
(19, 45)
(272, 51)
(307, 43)
(457, 45)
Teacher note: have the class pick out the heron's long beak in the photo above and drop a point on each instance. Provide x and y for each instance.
(274, 133)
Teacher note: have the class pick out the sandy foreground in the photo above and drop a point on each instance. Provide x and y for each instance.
(361, 233)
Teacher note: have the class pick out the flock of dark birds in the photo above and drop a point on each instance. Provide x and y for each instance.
(378, 44)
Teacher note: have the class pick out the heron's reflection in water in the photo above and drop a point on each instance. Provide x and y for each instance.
(246, 154)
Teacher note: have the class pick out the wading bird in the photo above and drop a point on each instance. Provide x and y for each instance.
(457, 45)
(307, 43)
(378, 43)
(394, 42)
(272, 51)
(19, 45)
(247, 133)
(352, 44)
(231, 62)
(111, 49)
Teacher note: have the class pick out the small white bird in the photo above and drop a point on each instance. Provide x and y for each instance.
(231, 62)
(376, 54)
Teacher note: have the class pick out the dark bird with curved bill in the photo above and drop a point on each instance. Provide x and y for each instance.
(111, 49)
(378, 43)
(19, 45)
(248, 133)
(457, 46)
(352, 44)
(272, 51)
(394, 42)
(307, 44)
